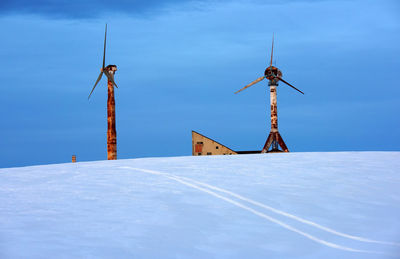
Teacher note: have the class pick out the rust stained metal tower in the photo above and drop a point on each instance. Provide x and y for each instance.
(273, 74)
(111, 129)
(109, 71)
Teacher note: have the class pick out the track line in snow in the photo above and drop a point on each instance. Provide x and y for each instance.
(258, 213)
(294, 217)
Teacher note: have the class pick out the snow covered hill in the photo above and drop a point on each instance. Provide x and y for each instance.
(295, 205)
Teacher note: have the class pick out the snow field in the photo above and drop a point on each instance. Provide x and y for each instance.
(294, 205)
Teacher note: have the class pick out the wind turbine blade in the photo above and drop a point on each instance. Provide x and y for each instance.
(280, 78)
(272, 50)
(97, 81)
(252, 83)
(104, 53)
(110, 77)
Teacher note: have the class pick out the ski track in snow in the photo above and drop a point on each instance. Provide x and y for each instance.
(196, 185)
(299, 219)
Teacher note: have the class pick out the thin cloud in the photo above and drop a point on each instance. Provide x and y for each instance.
(89, 9)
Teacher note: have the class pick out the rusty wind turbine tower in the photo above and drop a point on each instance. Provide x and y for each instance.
(273, 74)
(109, 71)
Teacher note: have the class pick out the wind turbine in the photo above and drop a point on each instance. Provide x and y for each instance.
(109, 71)
(273, 74)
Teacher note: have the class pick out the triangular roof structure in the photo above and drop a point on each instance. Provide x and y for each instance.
(202, 145)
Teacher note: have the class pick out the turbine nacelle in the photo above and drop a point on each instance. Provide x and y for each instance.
(109, 68)
(272, 72)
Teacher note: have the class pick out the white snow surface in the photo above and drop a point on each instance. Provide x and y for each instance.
(288, 205)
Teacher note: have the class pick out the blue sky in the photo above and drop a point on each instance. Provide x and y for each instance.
(179, 63)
